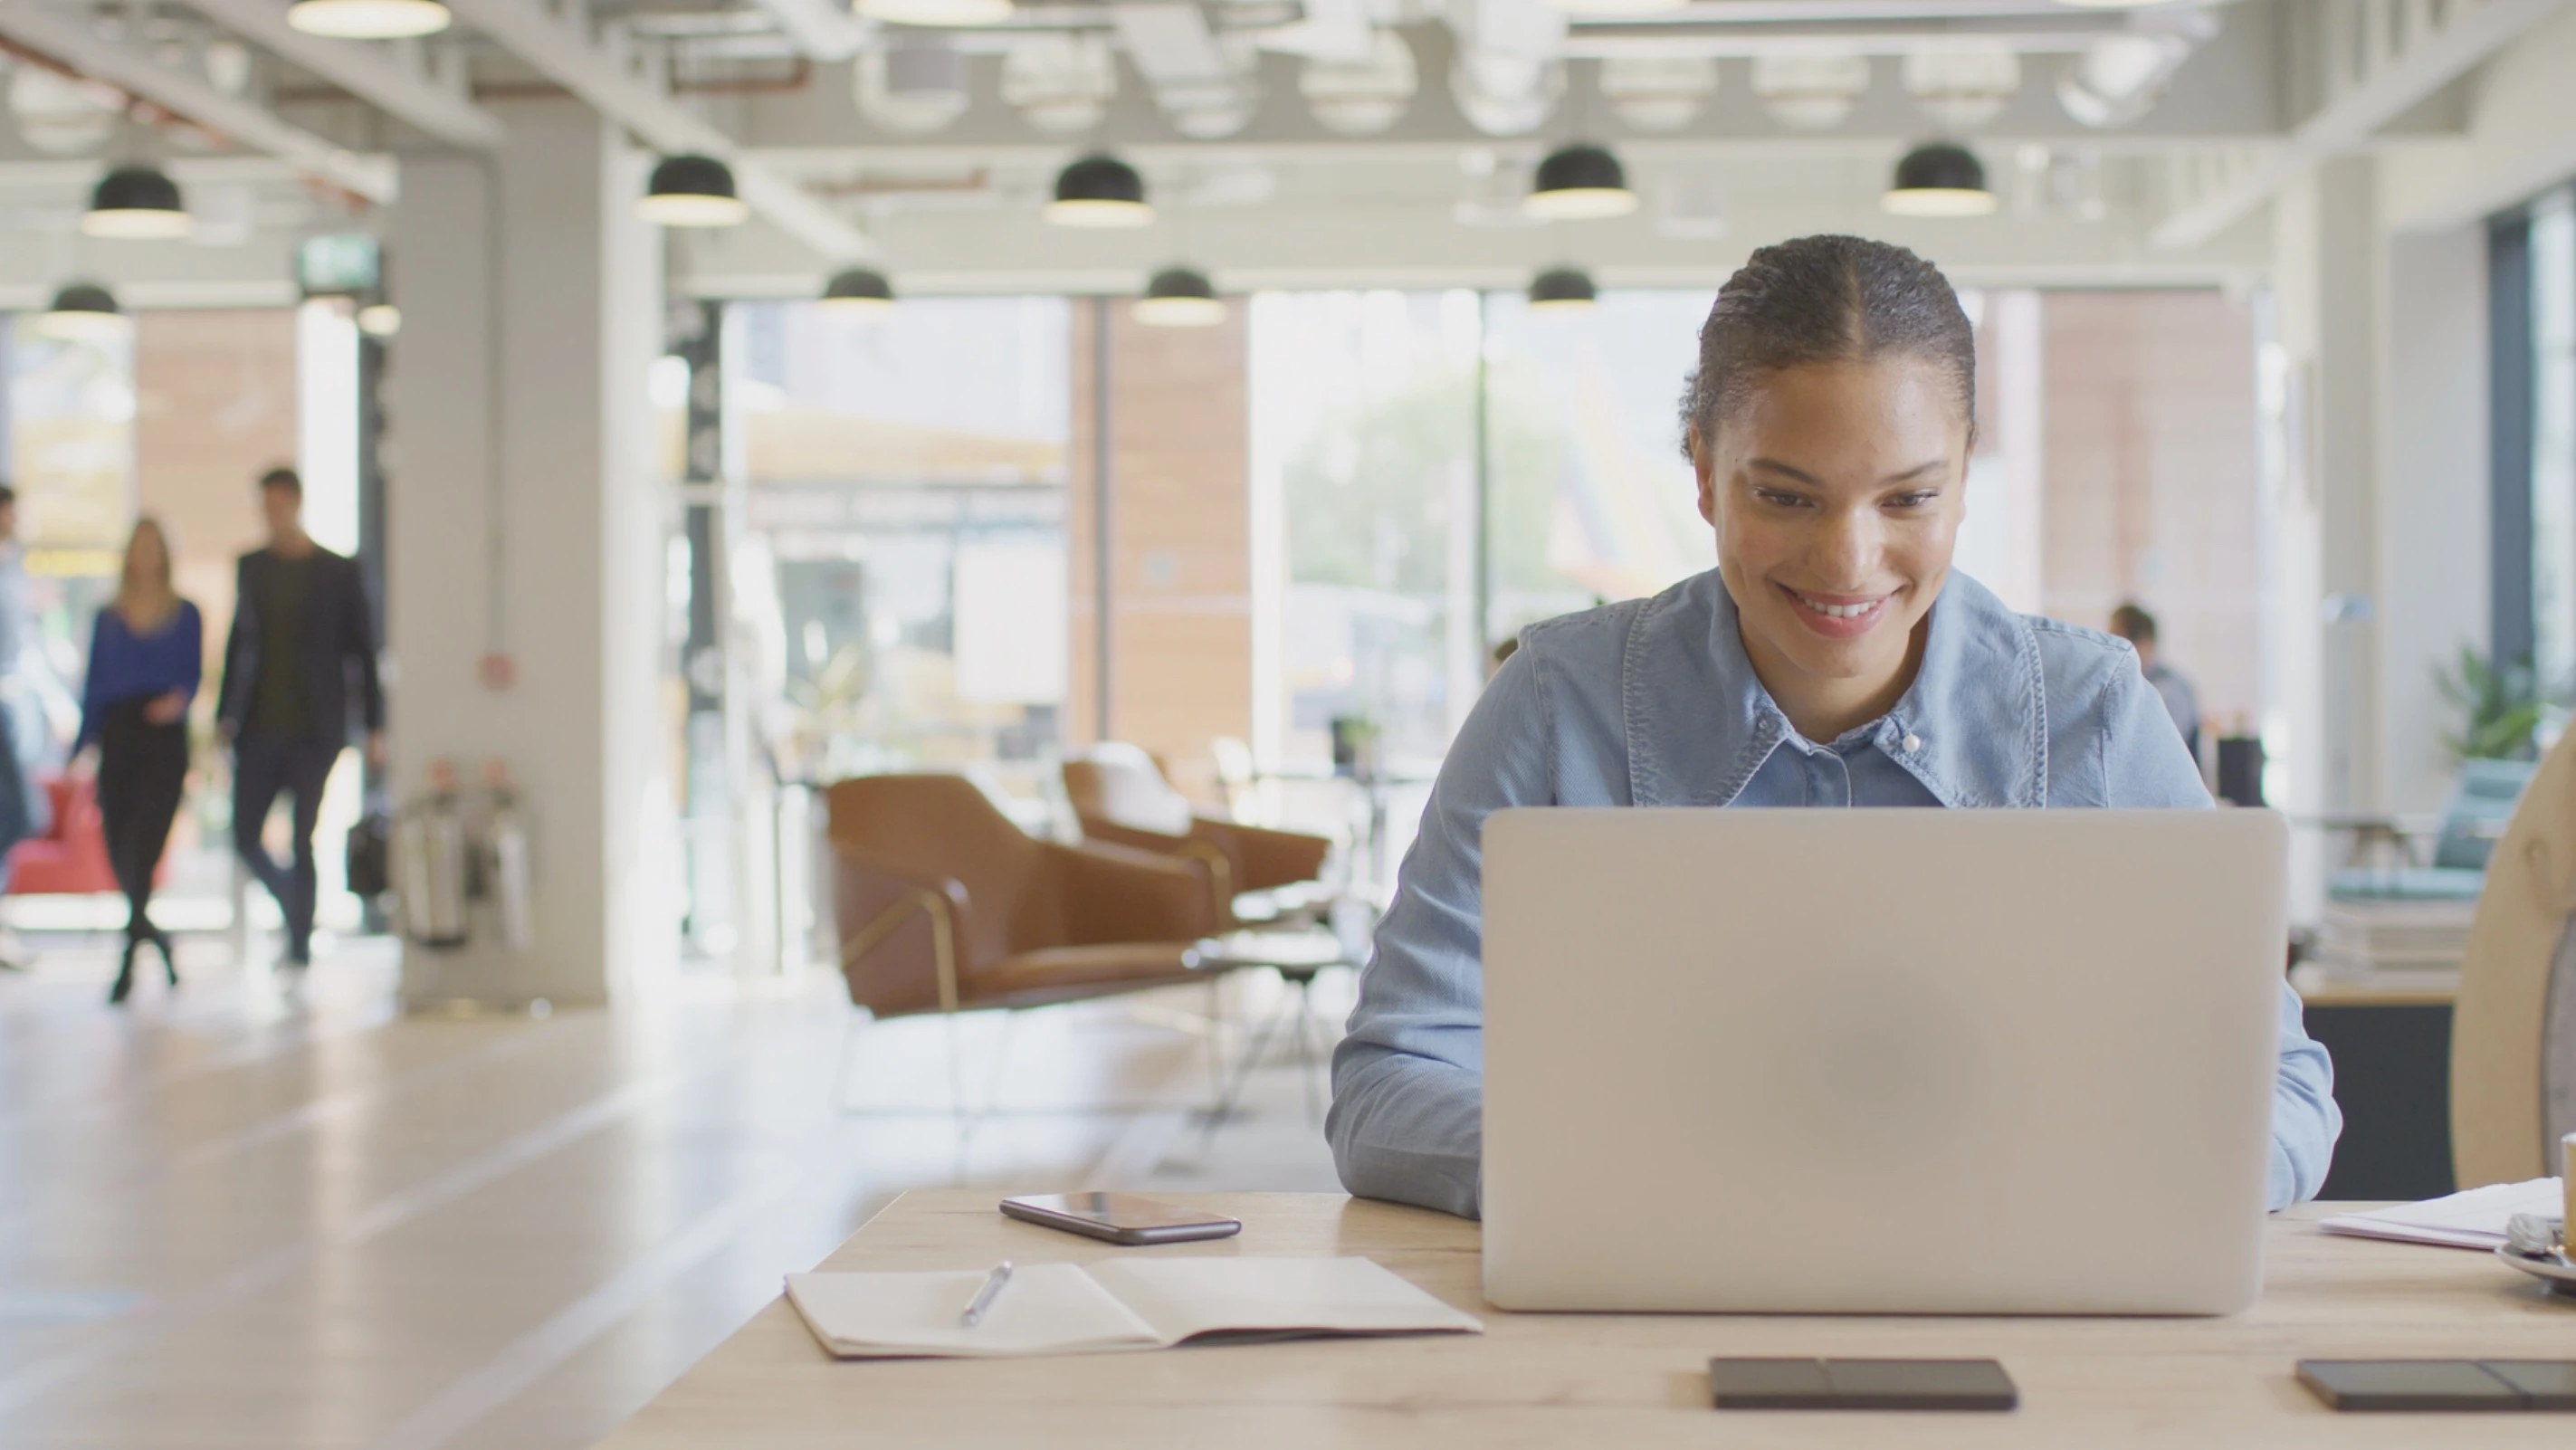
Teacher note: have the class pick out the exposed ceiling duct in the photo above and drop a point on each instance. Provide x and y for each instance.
(915, 87)
(1962, 89)
(1060, 82)
(1510, 70)
(2117, 79)
(1207, 85)
(60, 116)
(1658, 93)
(1810, 91)
(1364, 97)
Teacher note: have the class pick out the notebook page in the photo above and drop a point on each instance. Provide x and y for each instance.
(1045, 1309)
(2474, 1219)
(1187, 1297)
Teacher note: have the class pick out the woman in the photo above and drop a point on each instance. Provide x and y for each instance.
(145, 655)
(1831, 658)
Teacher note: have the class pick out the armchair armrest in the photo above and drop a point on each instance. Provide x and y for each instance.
(1216, 864)
(1117, 894)
(874, 905)
(1264, 858)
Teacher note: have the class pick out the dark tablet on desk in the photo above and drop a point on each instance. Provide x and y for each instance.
(1860, 1384)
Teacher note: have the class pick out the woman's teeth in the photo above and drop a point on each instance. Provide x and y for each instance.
(1838, 611)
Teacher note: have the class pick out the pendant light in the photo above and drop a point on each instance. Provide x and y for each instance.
(136, 202)
(692, 191)
(860, 291)
(1562, 289)
(1580, 183)
(938, 14)
(1939, 180)
(1099, 191)
(84, 312)
(368, 19)
(1180, 297)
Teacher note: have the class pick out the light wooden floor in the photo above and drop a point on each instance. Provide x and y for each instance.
(242, 1217)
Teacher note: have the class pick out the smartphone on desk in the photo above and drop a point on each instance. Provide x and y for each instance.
(1120, 1218)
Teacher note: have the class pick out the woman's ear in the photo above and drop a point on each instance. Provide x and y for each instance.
(1703, 459)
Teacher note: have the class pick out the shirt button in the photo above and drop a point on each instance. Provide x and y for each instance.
(1911, 743)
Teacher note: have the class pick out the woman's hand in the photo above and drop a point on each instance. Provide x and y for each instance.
(166, 709)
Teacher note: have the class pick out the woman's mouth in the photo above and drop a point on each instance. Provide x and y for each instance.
(1837, 616)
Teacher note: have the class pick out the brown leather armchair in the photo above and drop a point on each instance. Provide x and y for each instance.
(944, 905)
(1121, 797)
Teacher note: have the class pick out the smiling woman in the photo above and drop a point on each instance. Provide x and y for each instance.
(1832, 658)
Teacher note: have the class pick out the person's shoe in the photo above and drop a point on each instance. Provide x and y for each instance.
(125, 973)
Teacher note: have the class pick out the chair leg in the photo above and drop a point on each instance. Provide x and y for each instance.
(1305, 1044)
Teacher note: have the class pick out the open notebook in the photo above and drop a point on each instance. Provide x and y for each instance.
(2474, 1219)
(1114, 1304)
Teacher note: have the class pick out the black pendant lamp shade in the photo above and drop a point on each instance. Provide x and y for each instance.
(1099, 191)
(84, 312)
(1580, 183)
(860, 289)
(1940, 180)
(1180, 297)
(692, 191)
(136, 202)
(1562, 288)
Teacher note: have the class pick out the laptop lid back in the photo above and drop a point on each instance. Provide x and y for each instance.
(1880, 1061)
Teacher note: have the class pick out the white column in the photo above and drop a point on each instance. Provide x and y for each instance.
(2433, 498)
(524, 522)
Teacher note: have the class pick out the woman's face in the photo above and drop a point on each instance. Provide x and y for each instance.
(1836, 492)
(144, 557)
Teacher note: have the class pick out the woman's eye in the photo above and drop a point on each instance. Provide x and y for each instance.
(1780, 500)
(1916, 499)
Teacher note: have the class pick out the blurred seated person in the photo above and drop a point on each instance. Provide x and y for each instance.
(2182, 702)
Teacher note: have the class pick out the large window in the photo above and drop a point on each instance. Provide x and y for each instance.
(902, 564)
(2553, 442)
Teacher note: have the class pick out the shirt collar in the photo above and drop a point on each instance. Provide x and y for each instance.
(1972, 727)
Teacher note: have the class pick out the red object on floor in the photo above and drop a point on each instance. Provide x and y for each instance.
(70, 858)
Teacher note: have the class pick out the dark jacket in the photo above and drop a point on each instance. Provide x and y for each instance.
(338, 645)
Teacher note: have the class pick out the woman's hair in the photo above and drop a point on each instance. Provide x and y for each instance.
(125, 576)
(1826, 299)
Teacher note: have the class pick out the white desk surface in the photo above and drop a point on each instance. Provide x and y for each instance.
(1604, 1380)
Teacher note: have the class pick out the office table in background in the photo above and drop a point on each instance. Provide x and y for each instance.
(1628, 1380)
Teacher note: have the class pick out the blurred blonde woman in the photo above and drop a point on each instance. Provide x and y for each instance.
(146, 653)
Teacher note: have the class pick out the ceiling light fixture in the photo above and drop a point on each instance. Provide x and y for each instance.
(369, 19)
(942, 14)
(1580, 183)
(136, 202)
(1180, 297)
(859, 291)
(1099, 191)
(1939, 180)
(692, 191)
(1562, 289)
(84, 312)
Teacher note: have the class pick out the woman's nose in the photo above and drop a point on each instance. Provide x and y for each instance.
(1846, 547)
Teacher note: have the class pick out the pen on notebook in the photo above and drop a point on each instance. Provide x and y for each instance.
(985, 1296)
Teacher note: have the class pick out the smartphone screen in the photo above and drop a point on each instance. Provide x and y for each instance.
(1120, 1218)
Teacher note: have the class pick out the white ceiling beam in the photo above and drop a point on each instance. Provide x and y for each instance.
(2475, 29)
(567, 58)
(69, 39)
(823, 29)
(364, 71)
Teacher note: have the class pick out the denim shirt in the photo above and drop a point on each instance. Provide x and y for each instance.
(1654, 703)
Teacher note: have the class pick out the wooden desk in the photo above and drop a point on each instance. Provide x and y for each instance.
(1601, 1380)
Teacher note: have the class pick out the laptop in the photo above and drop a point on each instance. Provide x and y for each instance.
(1880, 1061)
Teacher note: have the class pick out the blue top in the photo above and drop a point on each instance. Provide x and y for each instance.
(1654, 703)
(124, 665)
